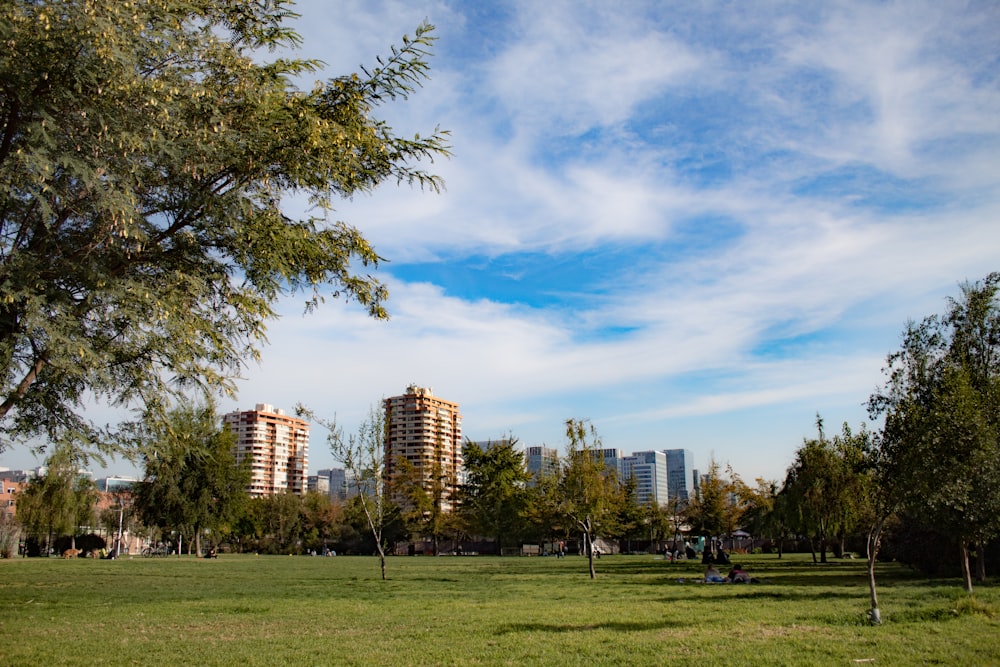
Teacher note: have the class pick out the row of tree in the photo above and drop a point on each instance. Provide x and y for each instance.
(936, 462)
(144, 154)
(192, 488)
(929, 480)
(933, 471)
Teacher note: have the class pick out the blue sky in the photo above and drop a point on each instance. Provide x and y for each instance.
(696, 224)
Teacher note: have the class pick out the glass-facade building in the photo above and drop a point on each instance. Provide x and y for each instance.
(649, 470)
(680, 471)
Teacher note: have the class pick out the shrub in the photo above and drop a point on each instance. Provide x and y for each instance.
(10, 536)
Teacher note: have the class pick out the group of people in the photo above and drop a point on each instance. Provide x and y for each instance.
(713, 554)
(736, 575)
(718, 556)
(675, 552)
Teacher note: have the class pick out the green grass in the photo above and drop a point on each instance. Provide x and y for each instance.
(280, 610)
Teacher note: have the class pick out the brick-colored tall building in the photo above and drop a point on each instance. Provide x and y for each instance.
(277, 446)
(9, 490)
(425, 431)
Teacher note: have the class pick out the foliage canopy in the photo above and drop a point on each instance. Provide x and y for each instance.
(191, 480)
(939, 454)
(58, 502)
(494, 498)
(146, 149)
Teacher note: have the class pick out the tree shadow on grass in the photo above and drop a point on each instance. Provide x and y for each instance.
(615, 626)
(780, 593)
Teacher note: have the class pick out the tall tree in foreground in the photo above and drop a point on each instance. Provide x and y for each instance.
(823, 487)
(588, 490)
(363, 458)
(146, 149)
(58, 502)
(494, 496)
(939, 453)
(279, 518)
(760, 518)
(543, 517)
(425, 493)
(706, 512)
(191, 480)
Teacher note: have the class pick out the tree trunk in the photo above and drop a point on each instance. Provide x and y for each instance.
(874, 539)
(966, 572)
(981, 562)
(588, 542)
(197, 541)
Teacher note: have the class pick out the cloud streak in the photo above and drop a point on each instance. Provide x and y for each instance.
(696, 224)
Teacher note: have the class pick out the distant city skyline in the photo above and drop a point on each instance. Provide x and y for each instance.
(538, 459)
(696, 225)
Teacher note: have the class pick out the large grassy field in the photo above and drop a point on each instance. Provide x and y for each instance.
(247, 610)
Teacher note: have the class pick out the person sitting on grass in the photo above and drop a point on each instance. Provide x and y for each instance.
(713, 576)
(737, 575)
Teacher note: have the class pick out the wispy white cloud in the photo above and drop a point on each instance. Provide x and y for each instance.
(576, 132)
(570, 67)
(734, 210)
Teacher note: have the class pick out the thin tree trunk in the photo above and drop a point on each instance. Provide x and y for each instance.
(589, 543)
(981, 562)
(873, 543)
(376, 529)
(966, 572)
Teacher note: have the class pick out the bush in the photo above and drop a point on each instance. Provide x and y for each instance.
(931, 551)
(10, 535)
(85, 543)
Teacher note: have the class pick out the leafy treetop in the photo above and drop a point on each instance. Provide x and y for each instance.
(146, 147)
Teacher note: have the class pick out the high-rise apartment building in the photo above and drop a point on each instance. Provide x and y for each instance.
(680, 473)
(649, 470)
(424, 442)
(277, 446)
